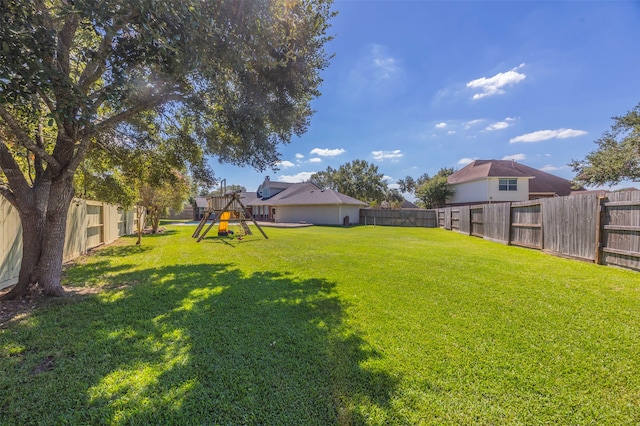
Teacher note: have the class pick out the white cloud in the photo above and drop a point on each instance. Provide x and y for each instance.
(323, 152)
(300, 177)
(299, 156)
(451, 132)
(543, 135)
(490, 86)
(387, 155)
(385, 177)
(375, 72)
(550, 168)
(384, 65)
(285, 164)
(394, 186)
(465, 161)
(471, 123)
(515, 157)
(500, 124)
(440, 125)
(315, 160)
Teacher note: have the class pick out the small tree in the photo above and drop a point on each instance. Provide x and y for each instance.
(617, 157)
(159, 198)
(434, 192)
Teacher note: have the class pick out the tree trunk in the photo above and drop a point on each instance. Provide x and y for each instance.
(139, 211)
(50, 264)
(154, 214)
(43, 214)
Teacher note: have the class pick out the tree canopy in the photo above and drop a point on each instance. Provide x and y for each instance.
(430, 191)
(227, 78)
(357, 179)
(617, 157)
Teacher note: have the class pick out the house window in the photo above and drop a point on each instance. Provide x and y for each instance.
(508, 185)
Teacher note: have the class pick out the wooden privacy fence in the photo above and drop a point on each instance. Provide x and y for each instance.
(604, 229)
(399, 217)
(89, 224)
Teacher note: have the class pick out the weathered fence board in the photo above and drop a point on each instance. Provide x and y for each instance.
(621, 230)
(526, 224)
(464, 220)
(399, 217)
(496, 221)
(455, 219)
(476, 214)
(569, 225)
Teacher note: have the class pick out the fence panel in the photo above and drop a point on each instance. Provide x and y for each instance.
(75, 240)
(476, 214)
(464, 220)
(10, 243)
(447, 218)
(455, 219)
(621, 230)
(95, 224)
(400, 217)
(496, 221)
(569, 225)
(526, 224)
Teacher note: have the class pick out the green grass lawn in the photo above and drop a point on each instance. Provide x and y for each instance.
(327, 325)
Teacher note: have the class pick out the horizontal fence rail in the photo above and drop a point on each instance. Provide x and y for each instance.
(604, 229)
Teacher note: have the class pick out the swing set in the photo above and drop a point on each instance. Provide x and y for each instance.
(226, 208)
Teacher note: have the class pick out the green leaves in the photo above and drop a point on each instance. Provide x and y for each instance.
(617, 157)
(357, 179)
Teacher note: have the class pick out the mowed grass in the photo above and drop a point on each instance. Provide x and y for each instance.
(324, 325)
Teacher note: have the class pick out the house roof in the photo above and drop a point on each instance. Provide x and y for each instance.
(306, 193)
(272, 185)
(201, 202)
(540, 182)
(248, 197)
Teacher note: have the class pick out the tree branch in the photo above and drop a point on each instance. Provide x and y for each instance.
(23, 137)
(96, 67)
(8, 194)
(147, 103)
(11, 169)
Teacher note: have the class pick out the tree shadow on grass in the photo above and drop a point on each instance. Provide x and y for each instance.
(198, 344)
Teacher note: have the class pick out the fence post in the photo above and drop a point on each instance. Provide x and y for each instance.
(509, 223)
(599, 220)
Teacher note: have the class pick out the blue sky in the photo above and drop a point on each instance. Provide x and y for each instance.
(419, 85)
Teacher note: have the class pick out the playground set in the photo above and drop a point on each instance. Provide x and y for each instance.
(226, 208)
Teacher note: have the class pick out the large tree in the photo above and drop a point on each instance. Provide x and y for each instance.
(617, 157)
(357, 179)
(236, 76)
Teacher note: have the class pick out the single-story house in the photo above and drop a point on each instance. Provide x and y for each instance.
(498, 181)
(303, 202)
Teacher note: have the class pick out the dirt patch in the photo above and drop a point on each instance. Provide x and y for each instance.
(15, 309)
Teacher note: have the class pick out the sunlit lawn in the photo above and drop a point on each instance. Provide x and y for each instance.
(327, 325)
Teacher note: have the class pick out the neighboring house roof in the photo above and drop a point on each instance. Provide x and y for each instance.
(201, 202)
(307, 193)
(248, 197)
(540, 182)
(274, 187)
